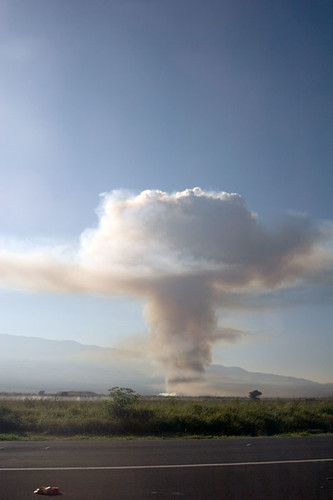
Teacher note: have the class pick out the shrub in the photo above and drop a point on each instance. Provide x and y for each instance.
(121, 402)
(9, 420)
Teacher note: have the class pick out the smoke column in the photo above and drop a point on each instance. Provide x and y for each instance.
(187, 254)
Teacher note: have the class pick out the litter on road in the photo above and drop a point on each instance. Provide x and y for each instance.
(48, 490)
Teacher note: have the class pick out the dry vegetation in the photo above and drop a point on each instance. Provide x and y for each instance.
(163, 418)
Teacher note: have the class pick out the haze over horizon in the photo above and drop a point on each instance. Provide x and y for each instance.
(64, 366)
(142, 103)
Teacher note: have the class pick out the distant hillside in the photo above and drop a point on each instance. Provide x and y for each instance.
(30, 363)
(236, 379)
(34, 364)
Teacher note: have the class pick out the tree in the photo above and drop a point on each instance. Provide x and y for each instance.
(121, 401)
(254, 395)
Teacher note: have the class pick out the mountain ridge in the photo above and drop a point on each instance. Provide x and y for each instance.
(34, 363)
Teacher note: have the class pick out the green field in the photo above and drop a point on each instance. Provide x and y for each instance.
(169, 417)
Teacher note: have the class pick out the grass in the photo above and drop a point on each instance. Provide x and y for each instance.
(170, 417)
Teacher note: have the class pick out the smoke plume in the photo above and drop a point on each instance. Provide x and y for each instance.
(188, 254)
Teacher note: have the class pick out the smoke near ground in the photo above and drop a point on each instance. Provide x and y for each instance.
(188, 254)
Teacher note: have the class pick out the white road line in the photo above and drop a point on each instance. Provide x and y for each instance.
(168, 466)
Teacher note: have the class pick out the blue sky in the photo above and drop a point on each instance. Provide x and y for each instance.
(231, 96)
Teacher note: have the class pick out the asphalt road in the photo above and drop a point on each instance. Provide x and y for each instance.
(253, 468)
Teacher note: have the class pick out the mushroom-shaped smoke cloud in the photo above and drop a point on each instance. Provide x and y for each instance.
(187, 254)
